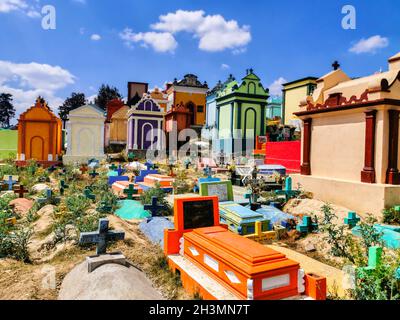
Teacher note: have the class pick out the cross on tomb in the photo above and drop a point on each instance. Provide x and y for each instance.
(51, 169)
(101, 237)
(49, 197)
(10, 183)
(120, 170)
(130, 191)
(104, 207)
(93, 173)
(63, 186)
(21, 191)
(288, 191)
(113, 167)
(149, 165)
(83, 169)
(351, 219)
(207, 171)
(154, 207)
(307, 225)
(89, 193)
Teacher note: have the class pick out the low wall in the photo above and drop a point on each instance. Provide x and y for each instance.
(285, 153)
(357, 196)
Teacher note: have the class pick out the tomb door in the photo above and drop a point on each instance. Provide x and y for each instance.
(250, 126)
(192, 109)
(37, 148)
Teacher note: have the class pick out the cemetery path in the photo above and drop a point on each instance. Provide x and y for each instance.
(333, 275)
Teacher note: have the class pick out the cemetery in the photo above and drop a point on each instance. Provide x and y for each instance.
(119, 210)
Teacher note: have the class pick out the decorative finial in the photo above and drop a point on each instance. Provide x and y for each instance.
(335, 65)
(251, 70)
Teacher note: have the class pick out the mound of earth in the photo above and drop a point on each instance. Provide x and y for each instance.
(21, 206)
(108, 282)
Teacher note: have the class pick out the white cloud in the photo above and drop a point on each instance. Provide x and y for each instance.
(95, 37)
(370, 45)
(26, 81)
(213, 31)
(159, 41)
(275, 88)
(225, 66)
(8, 6)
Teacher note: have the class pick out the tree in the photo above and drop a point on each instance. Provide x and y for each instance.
(76, 100)
(106, 94)
(7, 109)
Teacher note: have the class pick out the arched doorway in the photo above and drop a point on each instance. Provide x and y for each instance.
(37, 148)
(192, 116)
(250, 125)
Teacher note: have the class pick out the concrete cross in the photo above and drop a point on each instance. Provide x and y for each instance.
(288, 191)
(49, 197)
(351, 219)
(21, 191)
(83, 169)
(130, 191)
(149, 165)
(93, 173)
(120, 170)
(63, 186)
(101, 237)
(10, 183)
(154, 207)
(113, 167)
(51, 169)
(89, 194)
(207, 171)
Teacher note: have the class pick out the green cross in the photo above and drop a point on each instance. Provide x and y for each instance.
(130, 192)
(113, 167)
(89, 194)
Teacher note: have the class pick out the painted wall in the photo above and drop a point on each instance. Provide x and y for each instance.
(39, 135)
(85, 135)
(199, 99)
(292, 100)
(8, 143)
(118, 126)
(285, 153)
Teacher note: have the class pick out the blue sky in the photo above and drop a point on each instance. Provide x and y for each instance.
(113, 42)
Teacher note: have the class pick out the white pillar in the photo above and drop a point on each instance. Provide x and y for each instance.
(135, 145)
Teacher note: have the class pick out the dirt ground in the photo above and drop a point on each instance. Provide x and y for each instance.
(20, 281)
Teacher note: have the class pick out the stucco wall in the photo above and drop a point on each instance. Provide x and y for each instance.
(337, 146)
(292, 101)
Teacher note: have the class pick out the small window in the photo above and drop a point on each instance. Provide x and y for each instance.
(200, 109)
(212, 263)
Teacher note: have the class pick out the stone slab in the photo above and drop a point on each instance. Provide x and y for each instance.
(94, 262)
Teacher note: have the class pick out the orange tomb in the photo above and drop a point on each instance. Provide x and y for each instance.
(236, 268)
(39, 135)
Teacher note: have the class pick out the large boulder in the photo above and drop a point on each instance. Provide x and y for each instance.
(108, 282)
(40, 187)
(21, 206)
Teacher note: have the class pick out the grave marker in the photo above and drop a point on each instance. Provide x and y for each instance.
(154, 207)
(130, 191)
(49, 198)
(10, 182)
(83, 169)
(351, 219)
(101, 237)
(88, 192)
(288, 192)
(93, 173)
(307, 225)
(21, 191)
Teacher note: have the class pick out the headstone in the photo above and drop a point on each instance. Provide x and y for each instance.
(288, 192)
(351, 219)
(10, 182)
(21, 191)
(130, 191)
(49, 198)
(101, 237)
(222, 189)
(307, 225)
(154, 207)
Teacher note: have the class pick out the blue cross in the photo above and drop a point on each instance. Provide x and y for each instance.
(149, 165)
(120, 170)
(208, 172)
(154, 207)
(10, 183)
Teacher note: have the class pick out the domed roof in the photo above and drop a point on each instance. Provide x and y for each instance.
(108, 282)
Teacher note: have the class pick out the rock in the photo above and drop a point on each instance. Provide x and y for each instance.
(21, 206)
(40, 187)
(46, 219)
(309, 247)
(108, 282)
(7, 193)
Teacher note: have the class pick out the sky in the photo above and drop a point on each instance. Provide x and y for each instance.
(103, 41)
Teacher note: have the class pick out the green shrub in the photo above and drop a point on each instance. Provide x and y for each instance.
(14, 244)
(391, 216)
